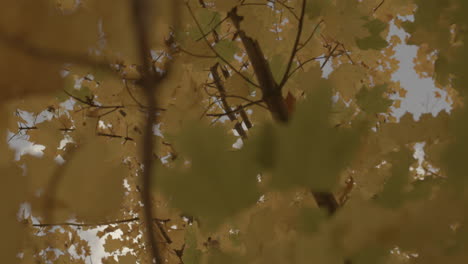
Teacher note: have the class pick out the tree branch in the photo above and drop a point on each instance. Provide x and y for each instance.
(226, 107)
(235, 110)
(91, 102)
(195, 55)
(270, 91)
(272, 96)
(157, 221)
(377, 7)
(295, 46)
(149, 82)
(310, 37)
(18, 43)
(213, 28)
(214, 51)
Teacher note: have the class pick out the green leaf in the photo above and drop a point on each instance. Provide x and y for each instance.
(374, 41)
(314, 7)
(442, 70)
(454, 157)
(217, 256)
(226, 49)
(83, 93)
(310, 219)
(309, 151)
(393, 193)
(209, 189)
(423, 189)
(375, 26)
(207, 19)
(372, 100)
(192, 254)
(278, 67)
(68, 85)
(371, 255)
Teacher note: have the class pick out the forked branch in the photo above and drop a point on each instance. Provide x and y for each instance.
(214, 50)
(295, 46)
(270, 90)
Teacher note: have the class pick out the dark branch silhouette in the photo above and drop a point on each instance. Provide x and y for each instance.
(214, 51)
(295, 46)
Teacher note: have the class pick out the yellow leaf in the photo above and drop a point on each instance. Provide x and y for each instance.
(347, 80)
(225, 5)
(10, 198)
(92, 179)
(28, 75)
(344, 25)
(113, 245)
(237, 86)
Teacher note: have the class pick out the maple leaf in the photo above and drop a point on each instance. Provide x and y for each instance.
(372, 101)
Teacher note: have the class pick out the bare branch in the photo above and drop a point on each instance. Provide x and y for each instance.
(133, 97)
(19, 43)
(212, 29)
(245, 118)
(52, 186)
(271, 94)
(123, 221)
(196, 55)
(294, 49)
(346, 52)
(214, 51)
(329, 56)
(304, 63)
(226, 107)
(237, 109)
(91, 103)
(114, 136)
(310, 36)
(245, 99)
(377, 7)
(149, 83)
(222, 91)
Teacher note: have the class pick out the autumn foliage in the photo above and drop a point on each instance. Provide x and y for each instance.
(231, 131)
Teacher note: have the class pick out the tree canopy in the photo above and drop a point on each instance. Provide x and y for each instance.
(231, 131)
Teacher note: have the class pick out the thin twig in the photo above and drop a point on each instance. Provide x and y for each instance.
(114, 136)
(133, 97)
(123, 221)
(224, 103)
(212, 29)
(237, 109)
(304, 63)
(214, 51)
(52, 187)
(294, 49)
(209, 107)
(347, 55)
(377, 7)
(106, 113)
(245, 99)
(195, 55)
(91, 103)
(311, 35)
(271, 94)
(329, 56)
